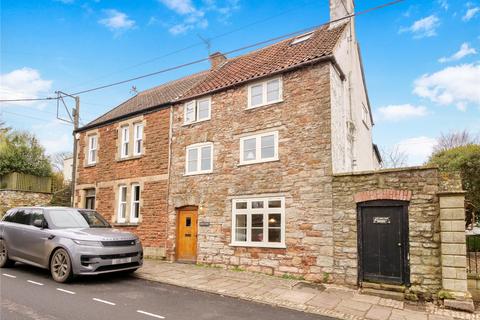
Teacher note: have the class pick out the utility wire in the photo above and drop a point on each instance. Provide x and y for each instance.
(30, 117)
(388, 4)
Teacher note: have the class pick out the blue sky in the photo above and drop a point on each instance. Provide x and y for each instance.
(421, 58)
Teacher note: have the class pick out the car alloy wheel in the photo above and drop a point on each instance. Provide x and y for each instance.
(61, 266)
(4, 261)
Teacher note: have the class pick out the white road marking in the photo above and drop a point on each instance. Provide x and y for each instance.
(9, 275)
(104, 301)
(150, 314)
(34, 282)
(66, 291)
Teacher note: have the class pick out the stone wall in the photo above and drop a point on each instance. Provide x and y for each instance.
(417, 185)
(150, 170)
(12, 198)
(302, 175)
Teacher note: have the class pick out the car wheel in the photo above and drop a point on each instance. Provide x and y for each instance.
(61, 266)
(4, 261)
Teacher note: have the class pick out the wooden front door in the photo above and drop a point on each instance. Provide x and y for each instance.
(383, 242)
(187, 235)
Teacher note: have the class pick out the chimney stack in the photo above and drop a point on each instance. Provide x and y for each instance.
(340, 9)
(216, 60)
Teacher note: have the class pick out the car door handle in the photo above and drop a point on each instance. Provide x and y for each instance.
(50, 237)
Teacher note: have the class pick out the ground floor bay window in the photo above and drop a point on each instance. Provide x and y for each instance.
(258, 222)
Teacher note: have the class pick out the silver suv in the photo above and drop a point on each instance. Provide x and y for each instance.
(66, 241)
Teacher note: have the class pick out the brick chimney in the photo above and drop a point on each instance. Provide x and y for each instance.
(340, 9)
(216, 60)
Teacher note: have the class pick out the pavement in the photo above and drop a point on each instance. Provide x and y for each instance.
(320, 299)
(30, 293)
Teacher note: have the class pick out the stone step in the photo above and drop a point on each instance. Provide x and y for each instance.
(383, 286)
(399, 296)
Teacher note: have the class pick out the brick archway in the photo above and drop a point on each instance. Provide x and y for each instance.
(384, 194)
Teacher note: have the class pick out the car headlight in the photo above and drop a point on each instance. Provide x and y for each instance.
(88, 243)
(137, 241)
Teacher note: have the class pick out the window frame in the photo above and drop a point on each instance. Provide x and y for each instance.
(133, 202)
(91, 161)
(137, 139)
(125, 142)
(196, 110)
(120, 202)
(265, 211)
(198, 147)
(258, 148)
(264, 93)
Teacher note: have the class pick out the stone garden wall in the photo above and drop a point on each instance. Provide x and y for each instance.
(12, 198)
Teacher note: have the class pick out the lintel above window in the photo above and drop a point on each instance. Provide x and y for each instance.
(265, 93)
(197, 110)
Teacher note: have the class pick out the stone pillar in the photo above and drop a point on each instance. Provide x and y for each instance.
(454, 251)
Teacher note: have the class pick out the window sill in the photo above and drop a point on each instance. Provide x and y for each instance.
(186, 124)
(129, 158)
(125, 224)
(257, 162)
(264, 105)
(197, 173)
(90, 165)
(260, 245)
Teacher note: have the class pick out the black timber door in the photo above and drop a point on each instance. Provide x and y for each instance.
(383, 242)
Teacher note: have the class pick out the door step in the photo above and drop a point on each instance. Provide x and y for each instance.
(383, 286)
(394, 295)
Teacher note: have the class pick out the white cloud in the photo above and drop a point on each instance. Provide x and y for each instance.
(471, 13)
(179, 6)
(457, 85)
(443, 4)
(23, 83)
(417, 149)
(465, 50)
(54, 136)
(426, 27)
(66, 1)
(401, 112)
(117, 21)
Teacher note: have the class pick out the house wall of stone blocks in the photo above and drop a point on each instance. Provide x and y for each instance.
(431, 241)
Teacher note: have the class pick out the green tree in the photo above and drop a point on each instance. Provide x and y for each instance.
(466, 160)
(21, 152)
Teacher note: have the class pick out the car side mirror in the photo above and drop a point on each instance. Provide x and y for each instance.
(40, 223)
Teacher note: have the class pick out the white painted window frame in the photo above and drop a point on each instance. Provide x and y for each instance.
(196, 108)
(265, 211)
(134, 219)
(121, 219)
(138, 139)
(198, 147)
(264, 93)
(92, 151)
(258, 148)
(125, 145)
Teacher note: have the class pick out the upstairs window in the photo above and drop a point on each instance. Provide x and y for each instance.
(259, 148)
(138, 139)
(264, 93)
(199, 159)
(135, 209)
(92, 149)
(197, 110)
(125, 142)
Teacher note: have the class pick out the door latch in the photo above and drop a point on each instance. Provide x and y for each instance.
(399, 244)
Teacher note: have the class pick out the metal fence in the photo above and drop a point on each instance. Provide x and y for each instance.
(25, 182)
(473, 255)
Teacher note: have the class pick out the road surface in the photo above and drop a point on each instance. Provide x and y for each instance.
(29, 293)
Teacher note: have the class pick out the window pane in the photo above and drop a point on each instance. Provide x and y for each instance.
(268, 146)
(241, 205)
(274, 221)
(241, 221)
(136, 193)
(274, 235)
(257, 220)
(190, 112)
(206, 158)
(275, 204)
(257, 204)
(249, 149)
(123, 194)
(203, 109)
(136, 210)
(123, 209)
(256, 95)
(273, 90)
(257, 235)
(241, 234)
(192, 160)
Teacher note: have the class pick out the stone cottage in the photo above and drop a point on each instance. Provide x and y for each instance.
(265, 162)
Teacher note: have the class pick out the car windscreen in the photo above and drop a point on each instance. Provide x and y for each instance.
(66, 218)
(94, 219)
